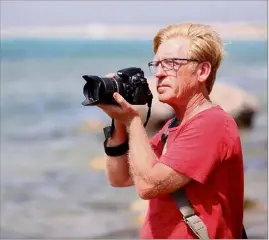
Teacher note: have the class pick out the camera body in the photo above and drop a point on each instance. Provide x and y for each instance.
(130, 83)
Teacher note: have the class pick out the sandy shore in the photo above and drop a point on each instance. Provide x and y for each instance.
(229, 31)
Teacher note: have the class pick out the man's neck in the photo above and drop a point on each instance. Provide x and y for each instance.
(194, 105)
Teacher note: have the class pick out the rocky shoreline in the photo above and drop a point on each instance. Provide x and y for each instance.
(237, 102)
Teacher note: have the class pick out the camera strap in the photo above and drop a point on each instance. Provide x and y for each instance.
(149, 112)
(108, 131)
(194, 222)
(124, 147)
(117, 150)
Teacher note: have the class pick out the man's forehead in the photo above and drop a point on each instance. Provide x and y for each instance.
(175, 47)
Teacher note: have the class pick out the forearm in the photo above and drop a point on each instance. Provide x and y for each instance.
(117, 168)
(141, 155)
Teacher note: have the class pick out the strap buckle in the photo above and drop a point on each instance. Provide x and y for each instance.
(197, 226)
(185, 218)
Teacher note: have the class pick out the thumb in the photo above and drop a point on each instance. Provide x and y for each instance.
(120, 100)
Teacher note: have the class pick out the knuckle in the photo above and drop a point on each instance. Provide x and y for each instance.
(110, 75)
(128, 107)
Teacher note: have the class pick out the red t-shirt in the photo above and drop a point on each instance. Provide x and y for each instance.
(207, 149)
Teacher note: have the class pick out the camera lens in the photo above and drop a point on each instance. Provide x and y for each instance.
(100, 90)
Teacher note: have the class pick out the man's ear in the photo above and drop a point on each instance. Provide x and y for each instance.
(204, 71)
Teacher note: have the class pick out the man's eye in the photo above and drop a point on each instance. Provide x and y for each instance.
(169, 62)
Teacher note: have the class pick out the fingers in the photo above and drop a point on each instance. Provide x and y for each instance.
(108, 108)
(100, 105)
(104, 107)
(120, 100)
(110, 75)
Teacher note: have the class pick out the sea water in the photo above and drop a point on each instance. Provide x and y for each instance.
(47, 188)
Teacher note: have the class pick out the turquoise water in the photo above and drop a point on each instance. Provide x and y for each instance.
(47, 188)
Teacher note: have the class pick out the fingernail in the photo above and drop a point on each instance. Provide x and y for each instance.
(116, 95)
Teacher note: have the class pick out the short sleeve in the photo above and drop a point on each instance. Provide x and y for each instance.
(195, 150)
(155, 140)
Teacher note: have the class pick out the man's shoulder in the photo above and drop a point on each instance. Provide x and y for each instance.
(214, 116)
(221, 123)
(212, 123)
(223, 118)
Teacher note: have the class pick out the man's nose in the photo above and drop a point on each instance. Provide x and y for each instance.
(160, 72)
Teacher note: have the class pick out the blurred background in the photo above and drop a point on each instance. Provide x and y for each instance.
(52, 178)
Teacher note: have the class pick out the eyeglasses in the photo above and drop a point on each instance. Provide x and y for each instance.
(168, 64)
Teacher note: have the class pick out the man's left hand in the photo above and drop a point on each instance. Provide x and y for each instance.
(124, 113)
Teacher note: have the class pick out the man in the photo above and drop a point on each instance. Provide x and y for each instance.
(203, 152)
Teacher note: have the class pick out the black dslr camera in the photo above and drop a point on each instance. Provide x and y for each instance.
(129, 83)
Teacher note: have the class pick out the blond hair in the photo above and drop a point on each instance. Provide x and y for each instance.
(205, 45)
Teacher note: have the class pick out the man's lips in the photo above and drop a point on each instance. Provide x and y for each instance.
(160, 86)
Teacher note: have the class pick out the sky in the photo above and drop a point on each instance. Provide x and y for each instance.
(34, 13)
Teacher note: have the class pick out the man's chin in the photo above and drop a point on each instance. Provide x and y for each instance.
(163, 98)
